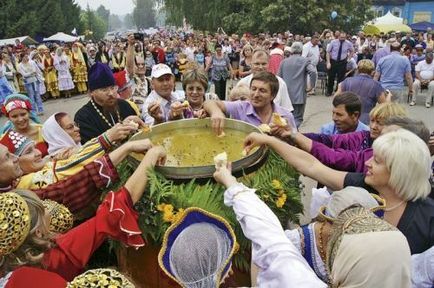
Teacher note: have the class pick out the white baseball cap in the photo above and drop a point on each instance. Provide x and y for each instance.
(160, 70)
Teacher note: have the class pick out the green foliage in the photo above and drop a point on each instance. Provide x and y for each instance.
(298, 16)
(91, 21)
(37, 17)
(209, 197)
(104, 14)
(115, 22)
(128, 21)
(144, 13)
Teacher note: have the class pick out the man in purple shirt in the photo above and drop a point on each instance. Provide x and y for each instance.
(382, 52)
(370, 91)
(337, 53)
(256, 111)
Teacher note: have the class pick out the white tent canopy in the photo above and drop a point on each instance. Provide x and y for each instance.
(388, 19)
(27, 40)
(61, 37)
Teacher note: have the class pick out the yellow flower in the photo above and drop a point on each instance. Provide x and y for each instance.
(160, 207)
(281, 201)
(178, 215)
(281, 192)
(276, 184)
(168, 217)
(168, 208)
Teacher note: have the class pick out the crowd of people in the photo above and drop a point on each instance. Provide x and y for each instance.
(373, 161)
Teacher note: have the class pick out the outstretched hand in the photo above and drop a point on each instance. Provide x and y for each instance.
(224, 176)
(255, 139)
(156, 155)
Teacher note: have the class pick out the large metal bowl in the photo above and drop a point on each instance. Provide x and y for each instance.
(249, 163)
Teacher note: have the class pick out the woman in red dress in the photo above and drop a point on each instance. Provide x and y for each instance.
(25, 239)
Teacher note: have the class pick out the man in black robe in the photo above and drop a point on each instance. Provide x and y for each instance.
(104, 109)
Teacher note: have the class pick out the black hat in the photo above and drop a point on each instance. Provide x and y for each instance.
(100, 76)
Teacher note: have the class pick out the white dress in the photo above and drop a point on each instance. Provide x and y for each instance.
(63, 75)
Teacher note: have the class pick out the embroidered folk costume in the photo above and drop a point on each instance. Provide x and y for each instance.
(79, 68)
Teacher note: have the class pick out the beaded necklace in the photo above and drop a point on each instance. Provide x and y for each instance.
(103, 117)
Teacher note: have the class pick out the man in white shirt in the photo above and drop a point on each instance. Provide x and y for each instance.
(424, 79)
(162, 104)
(311, 52)
(260, 63)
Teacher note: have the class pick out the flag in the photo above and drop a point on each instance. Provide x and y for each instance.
(74, 31)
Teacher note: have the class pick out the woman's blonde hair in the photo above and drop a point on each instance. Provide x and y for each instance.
(408, 160)
(386, 110)
(195, 75)
(366, 66)
(31, 252)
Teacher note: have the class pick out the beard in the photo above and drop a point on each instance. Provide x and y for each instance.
(107, 110)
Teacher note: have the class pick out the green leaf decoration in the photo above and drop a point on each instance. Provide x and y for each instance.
(272, 182)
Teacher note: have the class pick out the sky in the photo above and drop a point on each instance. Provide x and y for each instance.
(119, 7)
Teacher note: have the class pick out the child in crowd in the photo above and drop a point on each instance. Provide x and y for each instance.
(239, 92)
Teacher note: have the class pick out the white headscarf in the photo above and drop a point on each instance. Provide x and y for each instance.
(56, 137)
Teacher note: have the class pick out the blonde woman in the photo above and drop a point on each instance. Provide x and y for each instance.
(399, 171)
(79, 68)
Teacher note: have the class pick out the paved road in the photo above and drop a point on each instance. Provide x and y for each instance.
(318, 112)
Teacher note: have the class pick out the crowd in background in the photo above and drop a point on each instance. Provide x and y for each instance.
(46, 71)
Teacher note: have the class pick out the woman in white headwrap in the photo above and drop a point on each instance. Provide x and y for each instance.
(61, 63)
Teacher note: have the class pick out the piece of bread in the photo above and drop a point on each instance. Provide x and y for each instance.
(146, 129)
(265, 128)
(221, 160)
(278, 120)
(244, 152)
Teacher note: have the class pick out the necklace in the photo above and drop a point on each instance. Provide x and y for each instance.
(394, 207)
(104, 118)
(322, 253)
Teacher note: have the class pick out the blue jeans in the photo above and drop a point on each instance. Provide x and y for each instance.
(33, 92)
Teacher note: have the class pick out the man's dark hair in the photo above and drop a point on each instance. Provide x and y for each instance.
(269, 78)
(350, 100)
(415, 126)
(395, 47)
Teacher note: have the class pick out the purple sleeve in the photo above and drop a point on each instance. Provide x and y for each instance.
(233, 108)
(354, 141)
(338, 159)
(321, 138)
(378, 90)
(329, 47)
(344, 85)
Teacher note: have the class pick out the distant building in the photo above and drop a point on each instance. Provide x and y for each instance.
(411, 10)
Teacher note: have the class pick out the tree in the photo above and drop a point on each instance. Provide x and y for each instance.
(93, 26)
(71, 12)
(51, 18)
(104, 14)
(115, 22)
(298, 16)
(128, 21)
(144, 13)
(37, 17)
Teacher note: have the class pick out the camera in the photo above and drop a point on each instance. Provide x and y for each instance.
(139, 36)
